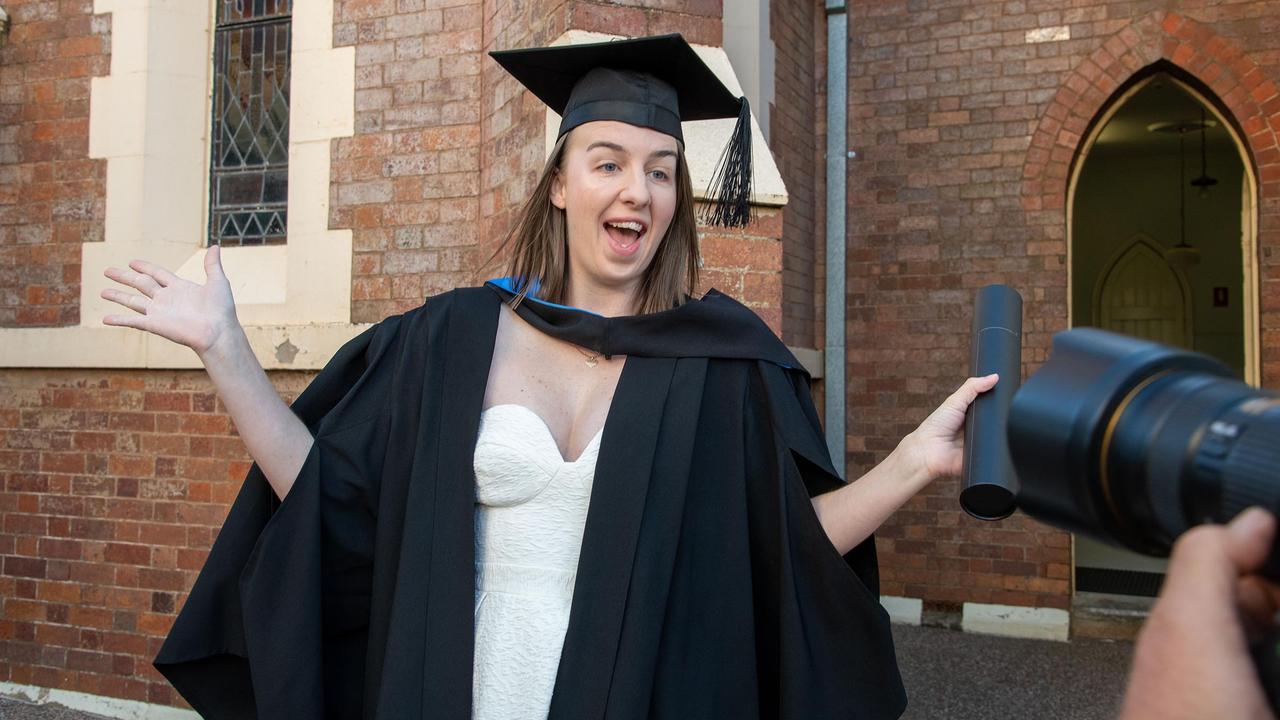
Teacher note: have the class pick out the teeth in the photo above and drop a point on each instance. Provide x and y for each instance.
(633, 226)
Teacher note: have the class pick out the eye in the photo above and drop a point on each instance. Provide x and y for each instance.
(609, 166)
(661, 175)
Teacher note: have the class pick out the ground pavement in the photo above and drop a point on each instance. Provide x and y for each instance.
(949, 675)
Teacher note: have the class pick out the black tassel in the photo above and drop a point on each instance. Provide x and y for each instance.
(729, 193)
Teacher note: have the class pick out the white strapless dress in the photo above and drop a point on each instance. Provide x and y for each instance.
(531, 507)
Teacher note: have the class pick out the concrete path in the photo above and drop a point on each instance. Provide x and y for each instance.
(18, 710)
(949, 675)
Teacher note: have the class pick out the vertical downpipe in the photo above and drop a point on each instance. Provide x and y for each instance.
(837, 121)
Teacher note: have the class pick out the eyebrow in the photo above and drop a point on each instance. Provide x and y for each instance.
(618, 148)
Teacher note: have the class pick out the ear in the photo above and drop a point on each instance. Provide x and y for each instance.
(557, 188)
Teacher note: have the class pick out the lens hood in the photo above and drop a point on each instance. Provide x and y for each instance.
(1059, 418)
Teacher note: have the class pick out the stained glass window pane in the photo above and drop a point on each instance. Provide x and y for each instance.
(236, 11)
(250, 130)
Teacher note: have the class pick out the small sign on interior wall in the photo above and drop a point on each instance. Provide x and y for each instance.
(1220, 297)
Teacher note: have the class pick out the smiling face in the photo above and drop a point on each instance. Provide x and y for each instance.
(617, 186)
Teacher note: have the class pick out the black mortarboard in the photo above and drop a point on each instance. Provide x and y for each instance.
(653, 82)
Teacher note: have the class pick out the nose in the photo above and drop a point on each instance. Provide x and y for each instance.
(635, 190)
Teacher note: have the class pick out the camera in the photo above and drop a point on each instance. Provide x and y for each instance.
(1133, 442)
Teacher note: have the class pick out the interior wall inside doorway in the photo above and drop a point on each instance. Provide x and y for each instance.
(1120, 195)
(1133, 176)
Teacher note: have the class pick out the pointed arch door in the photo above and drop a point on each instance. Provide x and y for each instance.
(1139, 293)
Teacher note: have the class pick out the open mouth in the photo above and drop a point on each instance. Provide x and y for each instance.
(625, 235)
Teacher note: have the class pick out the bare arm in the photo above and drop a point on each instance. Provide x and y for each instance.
(852, 513)
(276, 439)
(203, 317)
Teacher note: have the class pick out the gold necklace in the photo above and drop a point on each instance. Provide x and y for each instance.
(592, 358)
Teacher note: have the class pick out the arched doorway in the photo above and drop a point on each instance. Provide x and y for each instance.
(1161, 245)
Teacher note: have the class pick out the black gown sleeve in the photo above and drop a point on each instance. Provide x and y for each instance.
(834, 638)
(276, 623)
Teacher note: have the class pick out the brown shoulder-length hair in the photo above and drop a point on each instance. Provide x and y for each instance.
(539, 245)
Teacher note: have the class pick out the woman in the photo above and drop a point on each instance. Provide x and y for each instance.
(573, 492)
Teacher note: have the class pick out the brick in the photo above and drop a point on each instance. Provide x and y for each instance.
(607, 18)
(24, 567)
(166, 402)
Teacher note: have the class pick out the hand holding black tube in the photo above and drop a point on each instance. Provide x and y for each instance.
(1192, 658)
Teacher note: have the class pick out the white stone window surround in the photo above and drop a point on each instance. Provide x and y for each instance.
(748, 44)
(150, 119)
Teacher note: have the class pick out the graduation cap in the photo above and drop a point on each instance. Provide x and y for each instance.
(654, 82)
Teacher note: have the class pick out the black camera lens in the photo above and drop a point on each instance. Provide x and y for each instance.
(1133, 442)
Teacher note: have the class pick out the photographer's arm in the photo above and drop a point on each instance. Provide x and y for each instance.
(852, 513)
(1192, 657)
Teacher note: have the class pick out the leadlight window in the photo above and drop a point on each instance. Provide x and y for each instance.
(249, 172)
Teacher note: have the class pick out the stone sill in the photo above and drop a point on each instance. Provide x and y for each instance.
(277, 347)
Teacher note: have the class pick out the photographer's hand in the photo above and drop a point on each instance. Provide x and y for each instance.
(1192, 657)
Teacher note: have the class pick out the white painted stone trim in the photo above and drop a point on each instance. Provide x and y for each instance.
(811, 359)
(100, 704)
(903, 610)
(1014, 621)
(277, 347)
(704, 140)
(149, 118)
(750, 47)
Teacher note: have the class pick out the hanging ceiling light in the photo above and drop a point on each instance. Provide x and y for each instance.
(1183, 255)
(1204, 182)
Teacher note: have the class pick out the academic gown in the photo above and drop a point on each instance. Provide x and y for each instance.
(706, 586)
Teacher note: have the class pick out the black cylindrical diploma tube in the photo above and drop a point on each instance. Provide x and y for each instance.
(989, 483)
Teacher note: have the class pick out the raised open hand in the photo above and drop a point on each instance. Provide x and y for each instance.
(173, 308)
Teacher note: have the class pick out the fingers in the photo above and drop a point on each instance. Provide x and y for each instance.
(1249, 538)
(1259, 599)
(136, 303)
(138, 322)
(1207, 560)
(213, 261)
(162, 276)
(144, 283)
(970, 390)
(1199, 564)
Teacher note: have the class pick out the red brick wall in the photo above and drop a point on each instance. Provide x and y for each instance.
(794, 141)
(746, 263)
(114, 486)
(513, 127)
(819, 29)
(967, 133)
(51, 193)
(407, 182)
